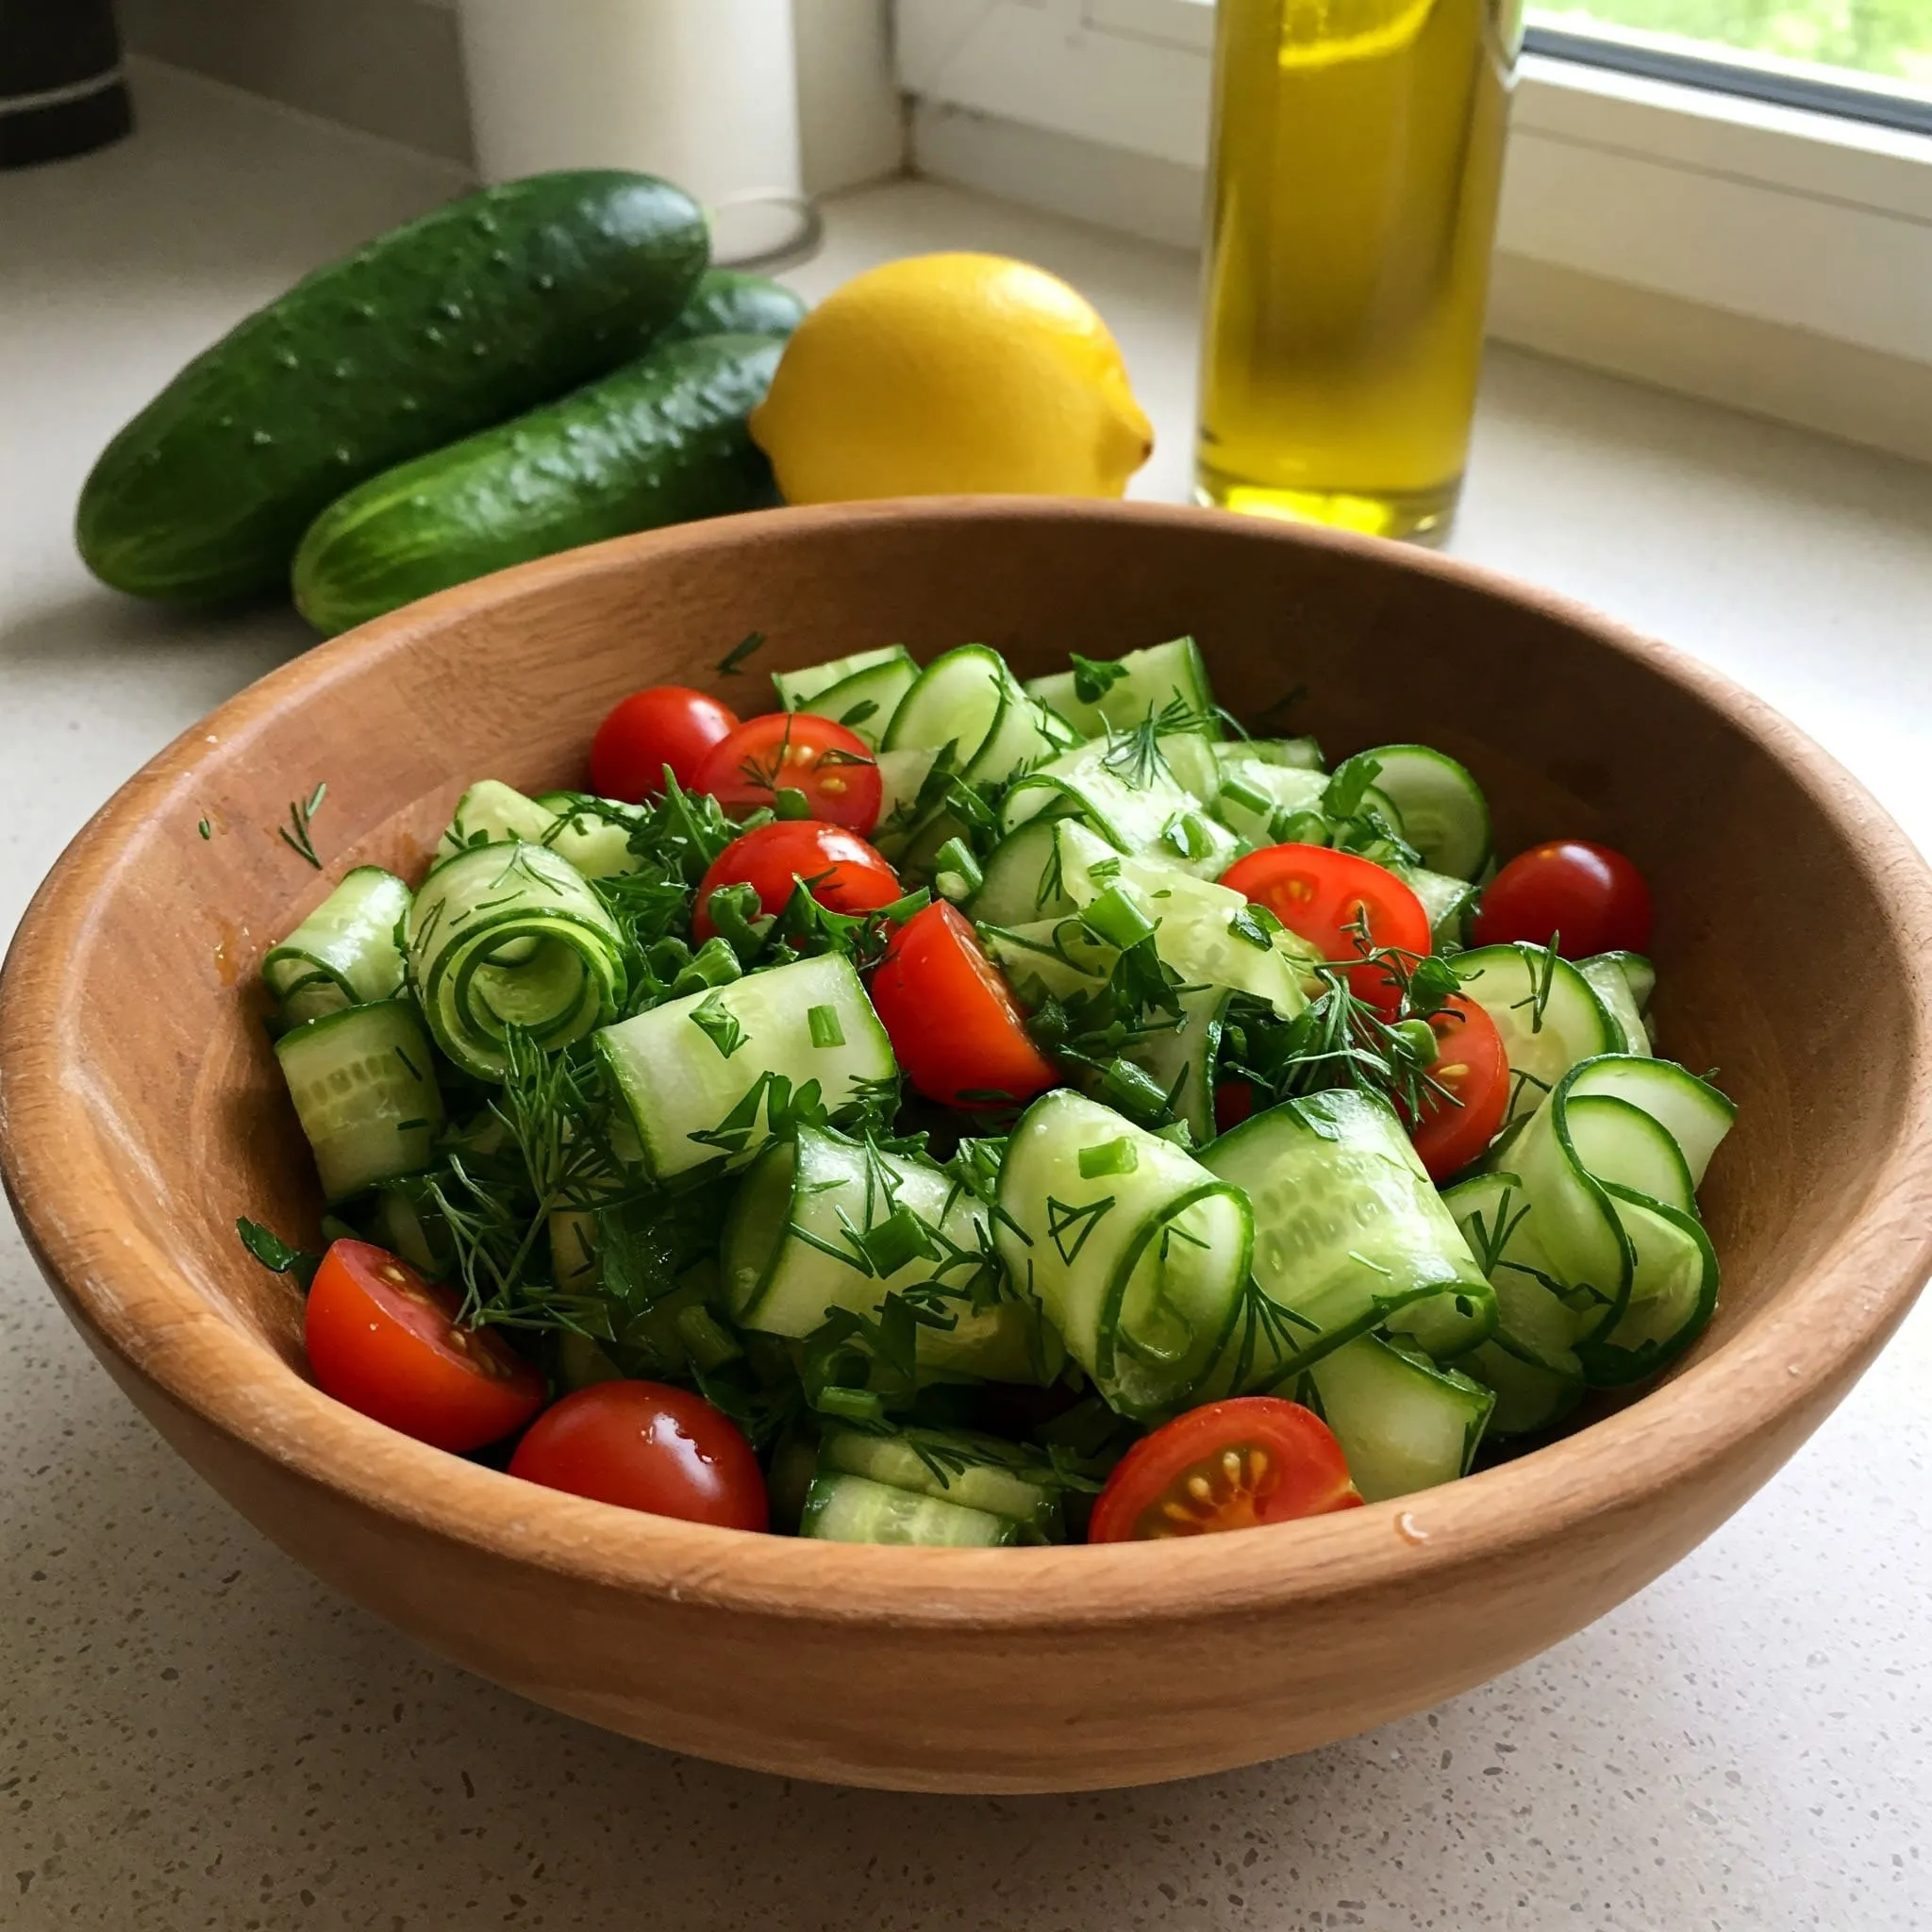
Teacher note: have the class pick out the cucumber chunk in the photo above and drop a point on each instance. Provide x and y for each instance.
(364, 1086)
(1403, 1424)
(1135, 1253)
(1349, 1231)
(1549, 1016)
(976, 1472)
(1693, 1112)
(344, 953)
(1121, 692)
(688, 1068)
(854, 1509)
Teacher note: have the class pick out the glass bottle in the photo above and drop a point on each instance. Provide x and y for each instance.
(1357, 159)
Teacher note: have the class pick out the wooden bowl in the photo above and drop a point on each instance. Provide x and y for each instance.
(141, 1112)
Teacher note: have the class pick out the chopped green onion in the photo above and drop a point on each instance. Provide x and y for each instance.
(1117, 920)
(1111, 1157)
(900, 1239)
(707, 1344)
(714, 964)
(1132, 1090)
(1417, 1039)
(719, 1024)
(850, 1404)
(1239, 792)
(825, 1029)
(1187, 834)
(956, 871)
(791, 802)
(1298, 828)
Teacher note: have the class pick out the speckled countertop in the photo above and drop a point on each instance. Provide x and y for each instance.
(194, 1733)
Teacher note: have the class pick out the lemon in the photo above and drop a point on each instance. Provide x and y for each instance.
(952, 373)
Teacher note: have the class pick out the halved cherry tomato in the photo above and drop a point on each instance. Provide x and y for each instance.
(955, 1027)
(1320, 895)
(644, 1445)
(386, 1342)
(845, 875)
(795, 751)
(669, 724)
(1230, 1465)
(1589, 899)
(1471, 1063)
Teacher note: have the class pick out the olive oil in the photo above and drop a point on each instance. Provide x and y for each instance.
(1358, 160)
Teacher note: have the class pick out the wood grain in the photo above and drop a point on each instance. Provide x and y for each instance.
(140, 1113)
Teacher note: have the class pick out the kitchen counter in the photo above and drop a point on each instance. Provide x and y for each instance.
(194, 1733)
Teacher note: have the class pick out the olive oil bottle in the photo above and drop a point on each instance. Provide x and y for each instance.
(1357, 159)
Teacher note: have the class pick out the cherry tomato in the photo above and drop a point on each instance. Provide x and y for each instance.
(956, 1031)
(795, 751)
(1587, 897)
(1320, 895)
(384, 1342)
(644, 1445)
(668, 724)
(1471, 1063)
(845, 875)
(1231, 1465)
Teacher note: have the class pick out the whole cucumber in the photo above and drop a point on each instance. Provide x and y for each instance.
(494, 303)
(661, 441)
(729, 302)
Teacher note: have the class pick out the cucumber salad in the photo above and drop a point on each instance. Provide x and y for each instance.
(951, 1110)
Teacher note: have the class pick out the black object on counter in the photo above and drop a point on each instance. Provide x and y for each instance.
(61, 86)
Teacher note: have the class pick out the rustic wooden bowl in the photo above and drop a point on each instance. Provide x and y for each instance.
(141, 1112)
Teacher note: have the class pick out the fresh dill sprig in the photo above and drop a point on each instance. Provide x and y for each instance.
(733, 661)
(295, 834)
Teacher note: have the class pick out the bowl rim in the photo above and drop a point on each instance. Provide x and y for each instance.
(132, 1301)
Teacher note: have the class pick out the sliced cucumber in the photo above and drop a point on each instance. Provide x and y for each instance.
(493, 813)
(1348, 1232)
(1638, 975)
(1674, 1289)
(1121, 692)
(364, 1086)
(1051, 958)
(975, 1472)
(1403, 1425)
(507, 936)
(1696, 1114)
(1549, 1016)
(797, 688)
(1445, 814)
(1256, 800)
(1006, 1341)
(1020, 880)
(854, 1509)
(1181, 1059)
(345, 953)
(822, 1222)
(1135, 1252)
(1449, 902)
(1129, 802)
(1302, 751)
(708, 1074)
(902, 777)
(970, 700)
(1610, 984)
(592, 833)
(866, 702)
(1530, 1398)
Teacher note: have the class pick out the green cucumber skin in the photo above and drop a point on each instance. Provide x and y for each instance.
(662, 441)
(471, 315)
(727, 302)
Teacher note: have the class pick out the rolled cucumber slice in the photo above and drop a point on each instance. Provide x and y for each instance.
(968, 699)
(507, 936)
(1548, 1014)
(592, 833)
(345, 953)
(866, 702)
(1444, 815)
(710, 1074)
(1674, 1291)
(493, 813)
(1119, 692)
(975, 1472)
(797, 688)
(1694, 1113)
(364, 1086)
(1403, 1425)
(855, 1509)
(1530, 1397)
(1135, 1253)
(821, 1223)
(1610, 984)
(1349, 1231)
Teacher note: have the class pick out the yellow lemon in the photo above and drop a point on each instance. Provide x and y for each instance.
(952, 373)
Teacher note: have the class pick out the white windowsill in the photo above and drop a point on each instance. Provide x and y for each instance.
(1774, 260)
